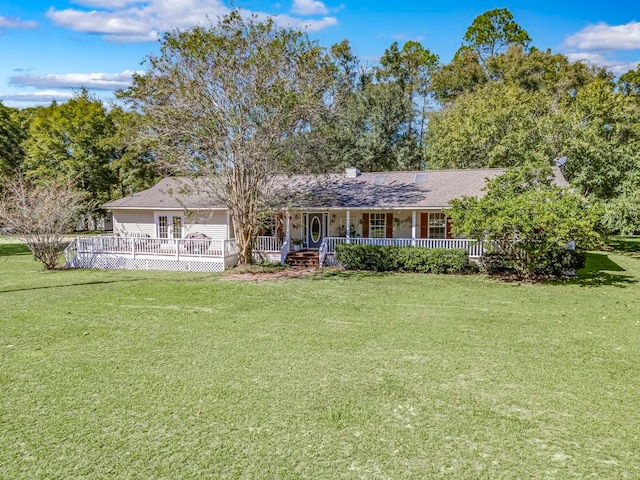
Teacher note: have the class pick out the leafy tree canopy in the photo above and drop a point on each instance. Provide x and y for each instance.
(493, 32)
(527, 218)
(220, 102)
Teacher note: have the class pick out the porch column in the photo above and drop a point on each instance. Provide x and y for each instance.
(287, 228)
(348, 226)
(228, 226)
(413, 228)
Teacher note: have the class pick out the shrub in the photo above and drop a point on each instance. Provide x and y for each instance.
(436, 260)
(367, 257)
(406, 259)
(554, 262)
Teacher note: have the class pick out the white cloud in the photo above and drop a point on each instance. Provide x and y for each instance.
(94, 81)
(603, 37)
(309, 7)
(9, 22)
(44, 96)
(139, 21)
(105, 4)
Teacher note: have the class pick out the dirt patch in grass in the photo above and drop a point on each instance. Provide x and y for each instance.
(257, 274)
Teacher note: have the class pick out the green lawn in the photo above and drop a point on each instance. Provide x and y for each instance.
(150, 375)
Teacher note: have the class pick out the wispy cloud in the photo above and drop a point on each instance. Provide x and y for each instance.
(406, 36)
(93, 81)
(45, 96)
(139, 21)
(12, 22)
(309, 7)
(615, 66)
(603, 37)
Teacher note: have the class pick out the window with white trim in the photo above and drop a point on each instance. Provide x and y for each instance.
(377, 225)
(437, 225)
(163, 226)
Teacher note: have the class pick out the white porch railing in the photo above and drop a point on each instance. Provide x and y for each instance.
(177, 247)
(474, 248)
(267, 244)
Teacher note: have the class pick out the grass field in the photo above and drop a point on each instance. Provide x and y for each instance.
(158, 375)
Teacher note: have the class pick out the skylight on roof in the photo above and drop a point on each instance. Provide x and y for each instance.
(378, 180)
(420, 178)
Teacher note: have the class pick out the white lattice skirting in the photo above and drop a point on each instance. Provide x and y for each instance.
(330, 260)
(121, 263)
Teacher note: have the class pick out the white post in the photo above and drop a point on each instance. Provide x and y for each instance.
(228, 226)
(133, 247)
(413, 228)
(288, 228)
(177, 248)
(348, 226)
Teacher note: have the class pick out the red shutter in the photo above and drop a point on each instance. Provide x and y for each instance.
(424, 225)
(389, 225)
(365, 225)
(448, 234)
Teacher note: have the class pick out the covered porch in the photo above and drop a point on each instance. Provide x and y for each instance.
(323, 230)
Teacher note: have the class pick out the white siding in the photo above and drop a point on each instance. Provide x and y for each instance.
(213, 224)
(134, 222)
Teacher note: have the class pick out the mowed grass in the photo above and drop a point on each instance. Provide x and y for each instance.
(150, 375)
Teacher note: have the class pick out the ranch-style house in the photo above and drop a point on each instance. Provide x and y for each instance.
(176, 225)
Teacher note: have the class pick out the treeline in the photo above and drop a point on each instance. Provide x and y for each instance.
(500, 102)
(79, 141)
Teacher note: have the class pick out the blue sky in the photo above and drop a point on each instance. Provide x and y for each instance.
(49, 48)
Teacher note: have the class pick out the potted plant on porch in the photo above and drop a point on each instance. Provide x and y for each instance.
(297, 244)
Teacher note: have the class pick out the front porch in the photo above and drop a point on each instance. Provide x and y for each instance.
(207, 255)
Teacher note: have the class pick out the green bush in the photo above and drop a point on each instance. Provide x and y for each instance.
(406, 259)
(559, 262)
(554, 262)
(367, 257)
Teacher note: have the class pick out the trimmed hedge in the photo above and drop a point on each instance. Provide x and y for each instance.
(405, 259)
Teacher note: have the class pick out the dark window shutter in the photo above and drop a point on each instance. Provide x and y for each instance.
(389, 225)
(365, 225)
(448, 235)
(424, 225)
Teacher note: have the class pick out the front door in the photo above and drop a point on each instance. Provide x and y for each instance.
(315, 230)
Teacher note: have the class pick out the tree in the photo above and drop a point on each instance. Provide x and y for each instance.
(133, 165)
(498, 125)
(11, 136)
(604, 146)
(528, 219)
(41, 215)
(463, 75)
(629, 83)
(412, 69)
(494, 32)
(69, 142)
(220, 103)
(622, 214)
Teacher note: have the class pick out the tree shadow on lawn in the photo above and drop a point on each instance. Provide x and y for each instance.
(78, 284)
(626, 245)
(8, 249)
(600, 270)
(336, 272)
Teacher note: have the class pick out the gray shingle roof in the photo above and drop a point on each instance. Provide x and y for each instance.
(169, 194)
(380, 190)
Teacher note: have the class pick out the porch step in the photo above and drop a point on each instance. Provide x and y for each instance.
(303, 259)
